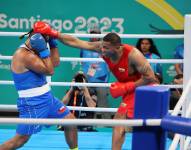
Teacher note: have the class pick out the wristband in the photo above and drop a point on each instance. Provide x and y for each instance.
(52, 43)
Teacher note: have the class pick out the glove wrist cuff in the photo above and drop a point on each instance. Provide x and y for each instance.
(52, 43)
(45, 53)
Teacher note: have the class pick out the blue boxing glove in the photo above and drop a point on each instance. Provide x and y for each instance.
(39, 44)
(52, 42)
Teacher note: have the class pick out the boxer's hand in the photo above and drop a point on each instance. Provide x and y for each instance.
(119, 88)
(38, 43)
(44, 28)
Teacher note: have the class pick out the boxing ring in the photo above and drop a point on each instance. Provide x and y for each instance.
(181, 125)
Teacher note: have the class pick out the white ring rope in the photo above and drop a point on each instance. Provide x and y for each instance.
(7, 82)
(159, 36)
(73, 59)
(104, 122)
(65, 84)
(13, 108)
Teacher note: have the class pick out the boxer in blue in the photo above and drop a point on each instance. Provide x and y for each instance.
(32, 61)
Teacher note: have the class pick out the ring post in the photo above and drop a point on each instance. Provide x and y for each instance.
(151, 102)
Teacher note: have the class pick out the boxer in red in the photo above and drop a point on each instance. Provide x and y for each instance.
(128, 65)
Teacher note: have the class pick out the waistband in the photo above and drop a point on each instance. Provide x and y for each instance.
(34, 91)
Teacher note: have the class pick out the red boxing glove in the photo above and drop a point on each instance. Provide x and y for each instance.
(119, 88)
(44, 28)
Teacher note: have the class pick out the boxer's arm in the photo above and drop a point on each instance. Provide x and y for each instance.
(140, 64)
(33, 62)
(40, 63)
(67, 97)
(178, 68)
(90, 99)
(55, 57)
(76, 42)
(44, 28)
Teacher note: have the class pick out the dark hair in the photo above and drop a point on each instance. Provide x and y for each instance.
(178, 76)
(80, 77)
(95, 31)
(159, 77)
(153, 48)
(28, 33)
(113, 38)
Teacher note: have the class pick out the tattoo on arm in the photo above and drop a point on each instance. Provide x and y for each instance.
(145, 68)
(142, 66)
(139, 62)
(147, 73)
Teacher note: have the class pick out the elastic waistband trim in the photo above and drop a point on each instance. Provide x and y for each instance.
(34, 91)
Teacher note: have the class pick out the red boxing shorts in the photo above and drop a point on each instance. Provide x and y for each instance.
(127, 105)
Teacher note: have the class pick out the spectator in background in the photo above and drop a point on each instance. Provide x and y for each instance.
(82, 97)
(179, 54)
(96, 72)
(176, 93)
(150, 51)
(159, 78)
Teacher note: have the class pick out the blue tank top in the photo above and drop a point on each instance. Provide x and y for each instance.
(29, 79)
(101, 71)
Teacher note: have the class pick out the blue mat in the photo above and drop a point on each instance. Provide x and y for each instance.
(54, 140)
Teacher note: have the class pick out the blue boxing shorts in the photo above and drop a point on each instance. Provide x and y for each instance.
(43, 106)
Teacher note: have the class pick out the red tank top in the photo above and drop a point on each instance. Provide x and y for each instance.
(120, 69)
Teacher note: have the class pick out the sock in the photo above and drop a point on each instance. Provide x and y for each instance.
(74, 148)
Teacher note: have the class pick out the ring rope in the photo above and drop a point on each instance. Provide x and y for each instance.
(105, 122)
(13, 108)
(94, 109)
(6, 82)
(159, 36)
(74, 59)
